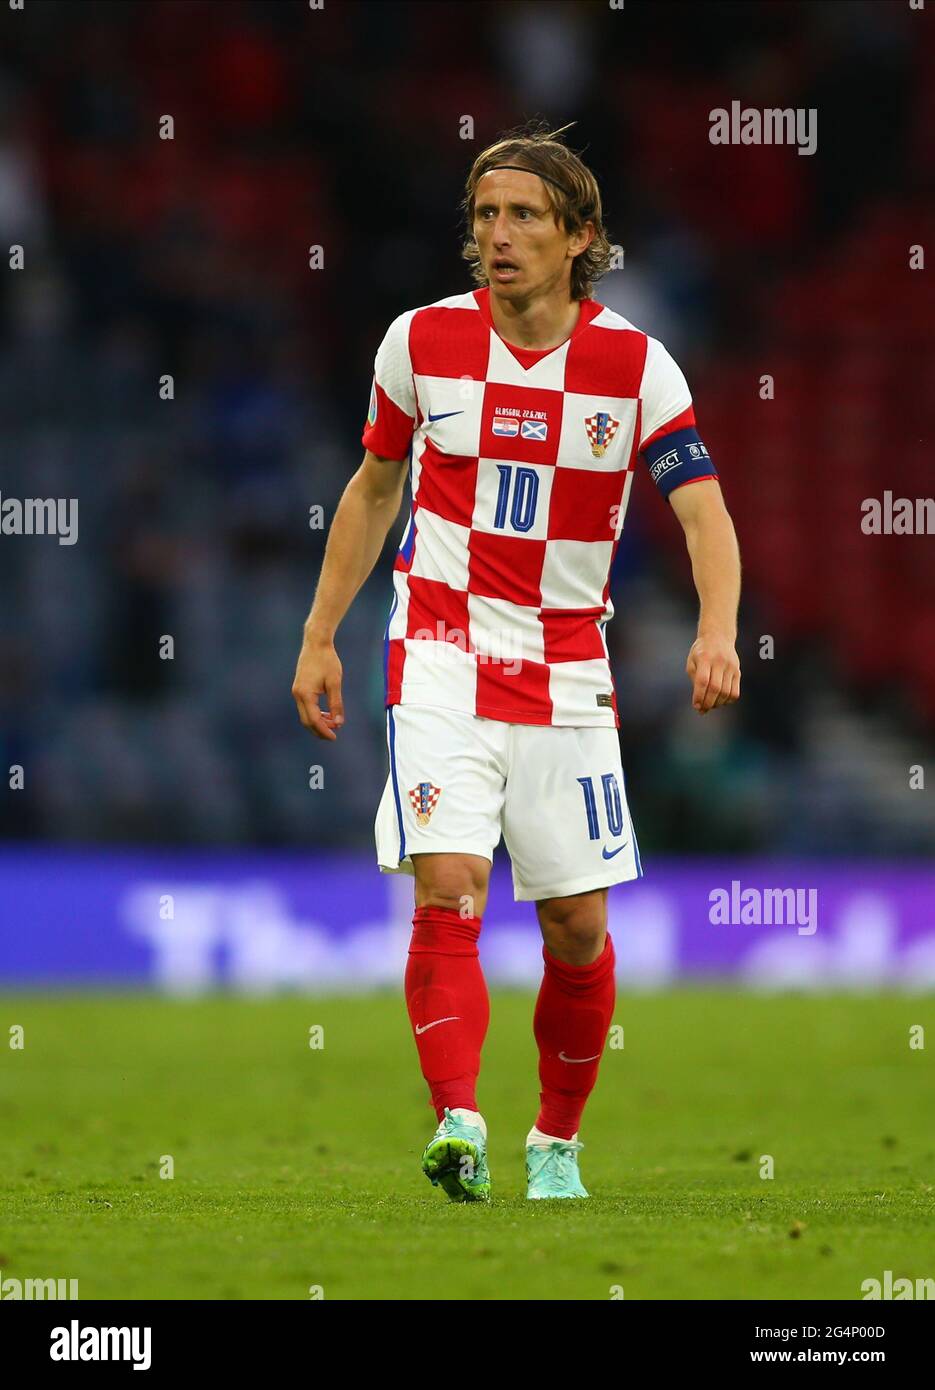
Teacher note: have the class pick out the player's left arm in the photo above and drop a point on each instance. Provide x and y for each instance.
(713, 666)
(683, 471)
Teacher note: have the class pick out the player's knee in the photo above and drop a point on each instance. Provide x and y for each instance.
(460, 898)
(575, 924)
(578, 943)
(457, 885)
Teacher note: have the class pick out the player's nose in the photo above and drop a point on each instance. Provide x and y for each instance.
(501, 230)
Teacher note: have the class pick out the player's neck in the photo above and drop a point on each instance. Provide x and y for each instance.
(537, 324)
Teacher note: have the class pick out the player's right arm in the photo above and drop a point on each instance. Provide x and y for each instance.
(366, 512)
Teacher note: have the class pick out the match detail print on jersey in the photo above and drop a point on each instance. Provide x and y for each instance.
(521, 465)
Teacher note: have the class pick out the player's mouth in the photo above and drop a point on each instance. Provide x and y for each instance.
(505, 269)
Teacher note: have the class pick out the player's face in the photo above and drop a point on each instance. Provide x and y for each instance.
(514, 224)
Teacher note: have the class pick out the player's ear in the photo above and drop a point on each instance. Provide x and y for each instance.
(582, 239)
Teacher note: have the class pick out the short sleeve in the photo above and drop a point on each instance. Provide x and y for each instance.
(670, 444)
(666, 399)
(391, 417)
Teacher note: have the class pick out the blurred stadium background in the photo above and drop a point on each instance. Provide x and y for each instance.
(342, 127)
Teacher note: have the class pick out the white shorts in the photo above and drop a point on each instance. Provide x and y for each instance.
(557, 793)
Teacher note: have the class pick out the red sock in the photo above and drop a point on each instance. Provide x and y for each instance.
(572, 1019)
(444, 981)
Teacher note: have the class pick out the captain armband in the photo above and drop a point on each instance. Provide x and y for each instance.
(677, 458)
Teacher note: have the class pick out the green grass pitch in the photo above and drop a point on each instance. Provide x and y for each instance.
(297, 1168)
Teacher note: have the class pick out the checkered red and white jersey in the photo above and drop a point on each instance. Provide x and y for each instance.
(521, 466)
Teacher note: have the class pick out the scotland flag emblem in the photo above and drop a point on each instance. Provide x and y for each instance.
(533, 429)
(423, 798)
(601, 428)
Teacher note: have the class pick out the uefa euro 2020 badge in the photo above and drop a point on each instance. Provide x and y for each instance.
(601, 428)
(424, 797)
(372, 412)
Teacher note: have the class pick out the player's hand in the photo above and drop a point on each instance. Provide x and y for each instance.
(318, 672)
(713, 667)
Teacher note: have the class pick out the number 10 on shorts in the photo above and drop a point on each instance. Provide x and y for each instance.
(612, 804)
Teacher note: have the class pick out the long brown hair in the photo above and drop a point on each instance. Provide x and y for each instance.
(575, 201)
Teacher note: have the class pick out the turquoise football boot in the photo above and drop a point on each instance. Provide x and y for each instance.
(455, 1159)
(553, 1172)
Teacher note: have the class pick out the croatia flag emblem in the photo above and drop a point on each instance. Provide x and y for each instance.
(505, 424)
(601, 428)
(423, 798)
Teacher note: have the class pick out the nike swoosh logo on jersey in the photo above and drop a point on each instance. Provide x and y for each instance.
(434, 1024)
(444, 415)
(612, 852)
(563, 1058)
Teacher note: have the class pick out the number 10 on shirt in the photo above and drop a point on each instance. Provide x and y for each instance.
(524, 483)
